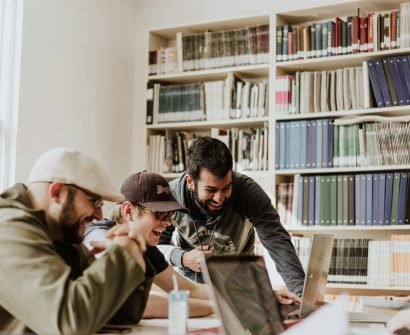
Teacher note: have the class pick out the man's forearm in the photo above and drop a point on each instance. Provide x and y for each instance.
(172, 254)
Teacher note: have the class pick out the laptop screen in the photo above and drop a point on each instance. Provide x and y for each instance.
(245, 299)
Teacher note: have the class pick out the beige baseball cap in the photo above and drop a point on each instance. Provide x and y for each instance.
(71, 166)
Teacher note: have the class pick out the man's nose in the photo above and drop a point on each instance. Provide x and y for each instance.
(98, 214)
(218, 197)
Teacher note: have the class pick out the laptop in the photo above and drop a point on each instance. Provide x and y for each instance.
(314, 287)
(245, 301)
(241, 289)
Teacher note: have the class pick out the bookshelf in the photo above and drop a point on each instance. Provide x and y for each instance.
(169, 64)
(245, 70)
(317, 63)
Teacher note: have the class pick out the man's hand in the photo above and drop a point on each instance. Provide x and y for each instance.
(130, 240)
(191, 259)
(287, 298)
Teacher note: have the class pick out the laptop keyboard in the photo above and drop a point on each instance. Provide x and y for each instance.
(287, 309)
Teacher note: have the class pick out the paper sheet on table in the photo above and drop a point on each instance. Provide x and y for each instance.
(329, 319)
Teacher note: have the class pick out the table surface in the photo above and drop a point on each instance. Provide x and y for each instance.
(207, 325)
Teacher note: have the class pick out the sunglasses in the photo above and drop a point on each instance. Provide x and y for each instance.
(163, 216)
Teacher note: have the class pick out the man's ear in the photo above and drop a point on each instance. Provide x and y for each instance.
(190, 182)
(127, 208)
(55, 191)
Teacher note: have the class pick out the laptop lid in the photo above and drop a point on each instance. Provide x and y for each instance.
(317, 271)
(245, 301)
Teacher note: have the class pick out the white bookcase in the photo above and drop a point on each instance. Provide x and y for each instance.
(271, 177)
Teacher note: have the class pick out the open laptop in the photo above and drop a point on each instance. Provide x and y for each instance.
(245, 301)
(316, 278)
(241, 289)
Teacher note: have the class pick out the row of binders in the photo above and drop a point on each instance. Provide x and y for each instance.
(351, 142)
(344, 35)
(232, 98)
(369, 199)
(390, 80)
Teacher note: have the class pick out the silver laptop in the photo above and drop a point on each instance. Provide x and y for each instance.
(244, 300)
(314, 287)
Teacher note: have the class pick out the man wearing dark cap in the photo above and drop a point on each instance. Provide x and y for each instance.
(50, 283)
(149, 207)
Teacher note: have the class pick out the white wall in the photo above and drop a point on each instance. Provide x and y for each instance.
(79, 58)
(77, 81)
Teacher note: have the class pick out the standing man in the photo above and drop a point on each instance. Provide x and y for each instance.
(225, 207)
(50, 284)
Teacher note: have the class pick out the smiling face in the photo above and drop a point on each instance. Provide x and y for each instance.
(147, 223)
(211, 192)
(78, 210)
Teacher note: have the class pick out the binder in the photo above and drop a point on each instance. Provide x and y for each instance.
(383, 83)
(375, 84)
(390, 83)
(400, 70)
(404, 176)
(388, 198)
(397, 82)
(406, 70)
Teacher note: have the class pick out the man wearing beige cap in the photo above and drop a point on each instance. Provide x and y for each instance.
(50, 284)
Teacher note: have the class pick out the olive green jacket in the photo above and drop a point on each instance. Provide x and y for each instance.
(54, 288)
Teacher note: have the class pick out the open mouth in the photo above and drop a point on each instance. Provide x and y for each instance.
(214, 206)
(157, 232)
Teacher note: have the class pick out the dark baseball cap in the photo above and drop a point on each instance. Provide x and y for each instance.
(150, 190)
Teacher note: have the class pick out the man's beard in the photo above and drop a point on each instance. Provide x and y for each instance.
(203, 203)
(70, 225)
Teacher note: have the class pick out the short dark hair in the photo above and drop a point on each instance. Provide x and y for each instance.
(211, 154)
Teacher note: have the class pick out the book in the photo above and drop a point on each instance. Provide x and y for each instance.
(395, 198)
(388, 198)
(369, 199)
(390, 83)
(403, 82)
(402, 201)
(381, 195)
(401, 95)
(383, 83)
(150, 103)
(376, 88)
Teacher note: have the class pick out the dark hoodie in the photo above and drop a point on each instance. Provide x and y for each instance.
(232, 231)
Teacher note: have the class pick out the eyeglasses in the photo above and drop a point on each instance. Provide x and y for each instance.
(163, 216)
(96, 200)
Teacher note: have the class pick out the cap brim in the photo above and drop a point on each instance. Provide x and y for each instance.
(164, 206)
(113, 197)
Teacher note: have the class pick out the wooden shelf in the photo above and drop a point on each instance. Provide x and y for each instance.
(336, 62)
(252, 174)
(357, 289)
(246, 72)
(386, 111)
(210, 124)
(339, 170)
(322, 229)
